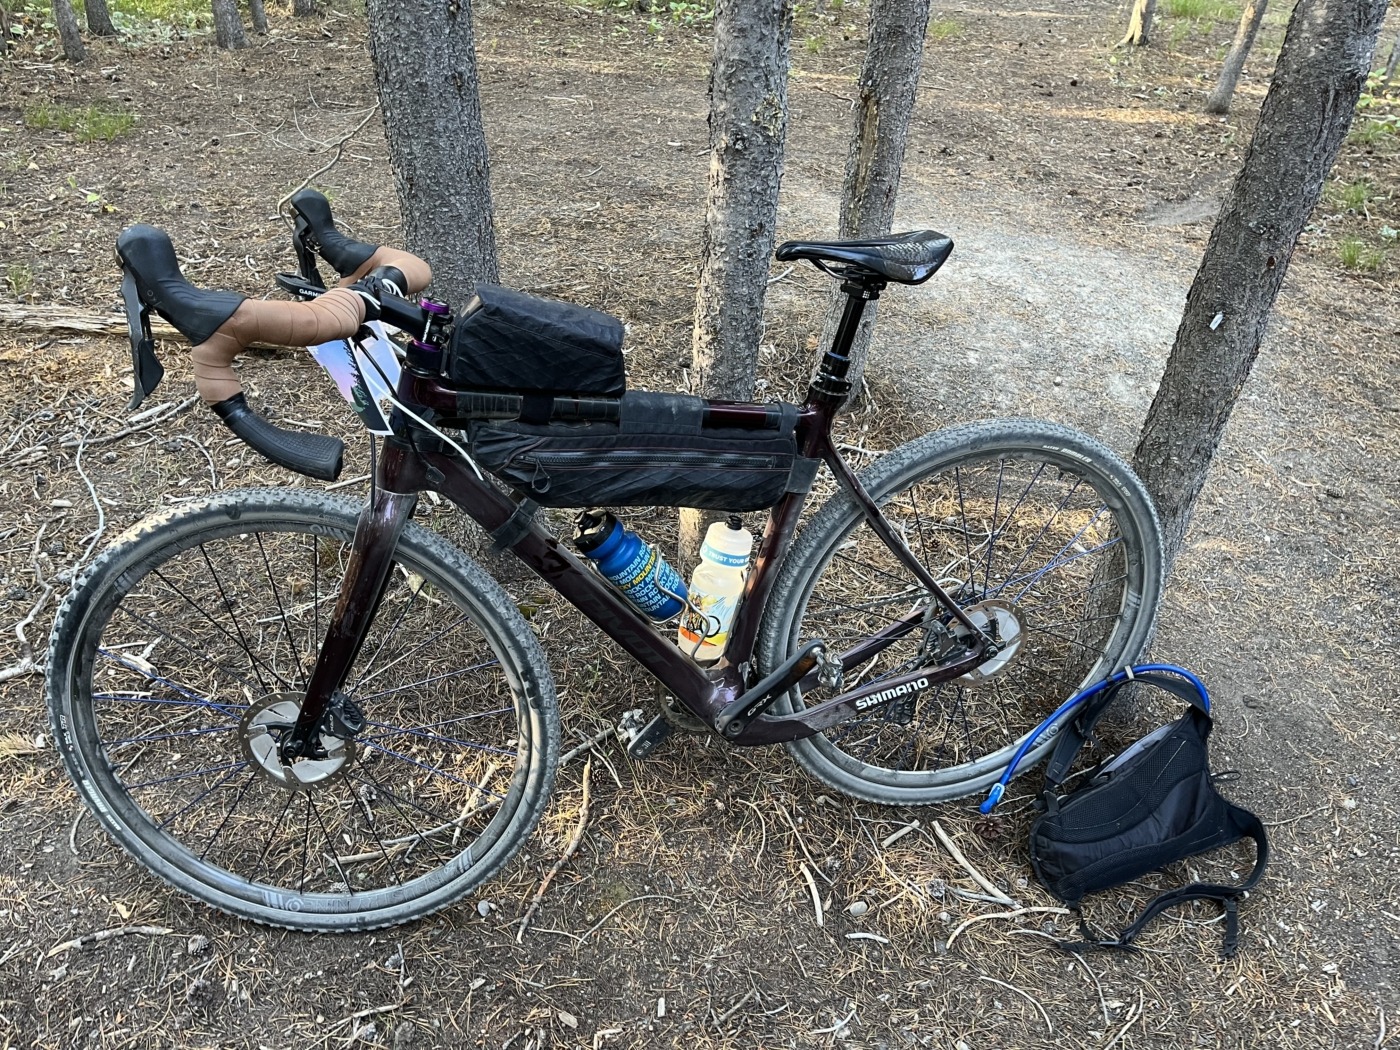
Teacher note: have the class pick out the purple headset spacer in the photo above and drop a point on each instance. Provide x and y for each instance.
(432, 306)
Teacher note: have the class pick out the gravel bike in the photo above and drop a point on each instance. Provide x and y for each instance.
(321, 715)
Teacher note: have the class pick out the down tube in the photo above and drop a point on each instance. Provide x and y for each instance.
(613, 614)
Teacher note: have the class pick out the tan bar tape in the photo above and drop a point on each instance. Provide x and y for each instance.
(335, 315)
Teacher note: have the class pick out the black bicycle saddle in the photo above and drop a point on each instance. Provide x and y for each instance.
(905, 258)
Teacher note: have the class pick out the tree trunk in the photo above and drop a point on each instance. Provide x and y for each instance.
(228, 24)
(4, 28)
(99, 20)
(1140, 24)
(68, 35)
(748, 121)
(425, 69)
(889, 82)
(1394, 61)
(1305, 117)
(1219, 101)
(305, 8)
(258, 13)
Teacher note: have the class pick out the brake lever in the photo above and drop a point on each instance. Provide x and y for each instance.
(146, 369)
(304, 244)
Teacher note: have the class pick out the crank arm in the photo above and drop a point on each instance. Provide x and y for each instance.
(735, 718)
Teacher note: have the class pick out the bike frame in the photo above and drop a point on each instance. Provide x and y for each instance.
(418, 461)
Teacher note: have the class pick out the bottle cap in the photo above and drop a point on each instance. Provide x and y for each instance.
(592, 529)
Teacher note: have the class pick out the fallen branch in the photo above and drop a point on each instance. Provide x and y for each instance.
(107, 935)
(144, 421)
(816, 896)
(977, 876)
(588, 745)
(1025, 995)
(575, 840)
(50, 317)
(339, 149)
(1002, 915)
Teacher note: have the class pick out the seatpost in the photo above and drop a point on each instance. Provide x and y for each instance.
(831, 385)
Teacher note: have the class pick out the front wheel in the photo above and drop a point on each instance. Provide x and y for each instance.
(182, 656)
(1041, 534)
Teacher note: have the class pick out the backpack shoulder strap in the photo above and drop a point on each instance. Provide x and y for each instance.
(1248, 826)
(1077, 730)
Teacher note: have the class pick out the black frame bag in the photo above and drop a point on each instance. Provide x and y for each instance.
(1150, 806)
(660, 453)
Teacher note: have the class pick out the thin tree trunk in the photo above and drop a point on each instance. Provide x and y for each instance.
(1325, 59)
(1219, 101)
(425, 69)
(1391, 65)
(228, 24)
(99, 20)
(4, 28)
(258, 13)
(889, 82)
(1140, 24)
(748, 122)
(303, 8)
(68, 35)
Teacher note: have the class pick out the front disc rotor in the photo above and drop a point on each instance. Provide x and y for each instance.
(261, 731)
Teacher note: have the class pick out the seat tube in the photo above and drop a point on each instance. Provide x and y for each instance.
(371, 557)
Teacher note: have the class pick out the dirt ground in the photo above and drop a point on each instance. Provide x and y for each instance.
(1079, 183)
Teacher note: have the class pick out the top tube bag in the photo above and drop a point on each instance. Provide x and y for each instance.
(509, 341)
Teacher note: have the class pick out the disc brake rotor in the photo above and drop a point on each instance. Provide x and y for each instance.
(261, 730)
(999, 620)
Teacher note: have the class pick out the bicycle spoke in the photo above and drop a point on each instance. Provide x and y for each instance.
(427, 681)
(277, 596)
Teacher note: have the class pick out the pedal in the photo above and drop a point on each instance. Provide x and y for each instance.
(642, 739)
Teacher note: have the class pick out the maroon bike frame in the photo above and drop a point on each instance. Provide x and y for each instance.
(408, 467)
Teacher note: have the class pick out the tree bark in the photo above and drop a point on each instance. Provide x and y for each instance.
(748, 122)
(303, 8)
(99, 20)
(425, 69)
(67, 23)
(258, 13)
(1140, 24)
(1320, 72)
(1219, 100)
(1391, 65)
(228, 24)
(885, 93)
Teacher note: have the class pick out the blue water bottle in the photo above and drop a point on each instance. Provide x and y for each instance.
(630, 564)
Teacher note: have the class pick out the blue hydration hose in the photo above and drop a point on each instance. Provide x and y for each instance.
(999, 788)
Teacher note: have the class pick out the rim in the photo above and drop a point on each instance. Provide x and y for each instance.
(216, 629)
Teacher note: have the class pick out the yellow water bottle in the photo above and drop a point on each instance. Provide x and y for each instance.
(715, 587)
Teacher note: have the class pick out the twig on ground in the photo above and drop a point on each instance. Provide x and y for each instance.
(26, 663)
(92, 493)
(1133, 1015)
(816, 895)
(719, 1021)
(107, 935)
(801, 844)
(1002, 915)
(891, 839)
(1025, 995)
(569, 851)
(213, 474)
(1380, 1036)
(775, 280)
(631, 900)
(139, 424)
(977, 876)
(763, 826)
(592, 742)
(836, 1027)
(339, 145)
(1079, 958)
(371, 1011)
(867, 937)
(73, 831)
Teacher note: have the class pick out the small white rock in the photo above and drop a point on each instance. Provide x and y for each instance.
(857, 908)
(661, 1007)
(484, 908)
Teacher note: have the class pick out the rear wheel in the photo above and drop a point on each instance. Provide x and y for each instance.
(183, 652)
(1041, 534)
